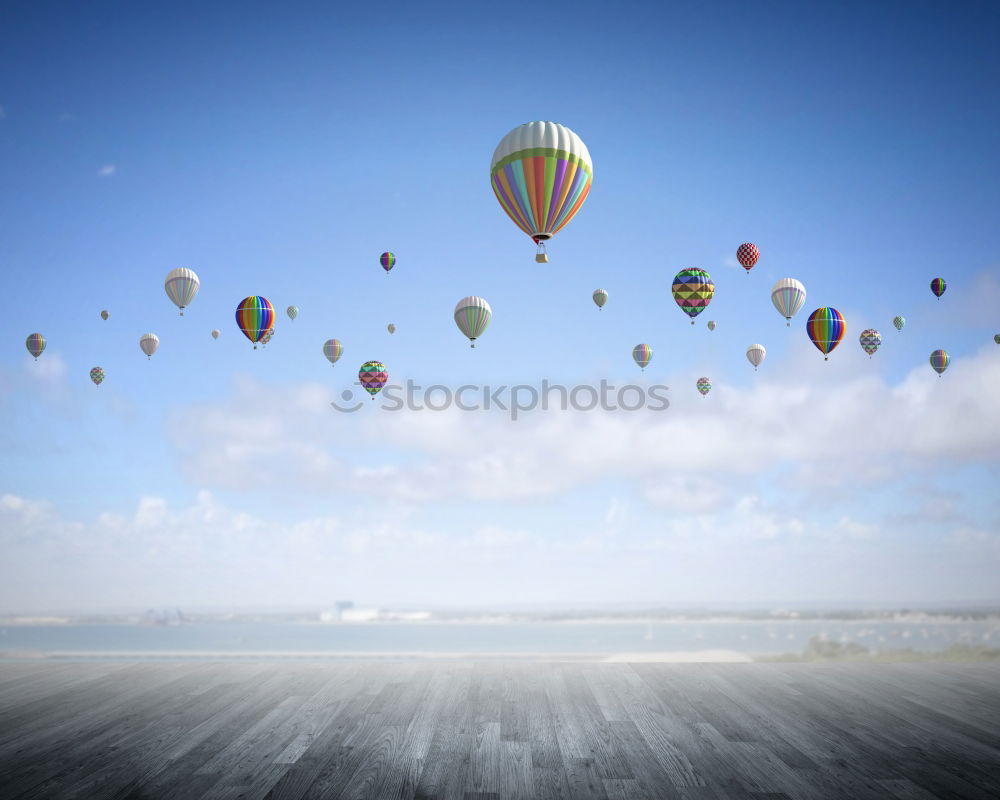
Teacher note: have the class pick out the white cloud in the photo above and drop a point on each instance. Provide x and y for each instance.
(107, 171)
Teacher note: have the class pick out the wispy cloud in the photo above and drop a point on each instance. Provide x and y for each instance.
(107, 171)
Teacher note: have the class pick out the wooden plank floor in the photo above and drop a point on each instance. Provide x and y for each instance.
(486, 731)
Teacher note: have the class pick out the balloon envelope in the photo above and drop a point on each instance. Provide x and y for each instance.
(996, 338)
(97, 375)
(391, 328)
(938, 286)
(642, 354)
(373, 376)
(756, 354)
(473, 315)
(940, 360)
(387, 260)
(333, 349)
(181, 286)
(105, 315)
(899, 322)
(747, 254)
(826, 328)
(870, 340)
(600, 297)
(541, 174)
(35, 344)
(148, 343)
(254, 316)
(693, 290)
(215, 333)
(704, 385)
(788, 295)
(711, 324)
(292, 311)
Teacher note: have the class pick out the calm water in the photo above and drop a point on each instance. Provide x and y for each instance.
(233, 639)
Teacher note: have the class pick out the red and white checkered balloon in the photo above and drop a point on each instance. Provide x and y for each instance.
(747, 254)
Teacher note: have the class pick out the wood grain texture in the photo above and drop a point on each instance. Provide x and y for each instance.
(492, 731)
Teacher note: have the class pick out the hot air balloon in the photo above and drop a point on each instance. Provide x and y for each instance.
(870, 340)
(215, 333)
(938, 286)
(747, 254)
(693, 290)
(292, 311)
(105, 315)
(826, 328)
(373, 376)
(148, 343)
(642, 354)
(391, 328)
(541, 173)
(97, 375)
(333, 350)
(600, 297)
(899, 322)
(996, 338)
(267, 336)
(704, 385)
(940, 361)
(254, 316)
(473, 315)
(788, 295)
(387, 260)
(181, 286)
(711, 324)
(35, 344)
(756, 354)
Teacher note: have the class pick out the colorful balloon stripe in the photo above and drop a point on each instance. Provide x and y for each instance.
(826, 328)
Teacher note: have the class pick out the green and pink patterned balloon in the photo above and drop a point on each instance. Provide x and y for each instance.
(373, 376)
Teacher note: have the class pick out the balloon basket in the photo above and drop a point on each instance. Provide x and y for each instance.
(541, 258)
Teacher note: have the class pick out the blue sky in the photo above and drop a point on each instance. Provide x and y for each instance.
(278, 151)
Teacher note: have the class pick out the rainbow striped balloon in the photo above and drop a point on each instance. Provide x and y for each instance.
(373, 376)
(938, 286)
(254, 316)
(541, 174)
(35, 344)
(387, 260)
(704, 385)
(940, 361)
(642, 354)
(693, 290)
(826, 328)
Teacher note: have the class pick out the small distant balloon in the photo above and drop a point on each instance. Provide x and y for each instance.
(391, 328)
(292, 311)
(693, 290)
(268, 335)
(826, 327)
(473, 315)
(215, 333)
(996, 338)
(870, 340)
(35, 344)
(940, 361)
(747, 254)
(642, 354)
(254, 316)
(756, 354)
(788, 295)
(373, 376)
(600, 297)
(148, 343)
(387, 260)
(333, 349)
(899, 322)
(711, 324)
(704, 385)
(181, 286)
(97, 375)
(105, 315)
(938, 286)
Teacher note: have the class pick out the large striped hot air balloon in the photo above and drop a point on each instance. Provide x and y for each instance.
(255, 316)
(747, 254)
(541, 173)
(940, 361)
(704, 385)
(938, 286)
(181, 286)
(870, 340)
(642, 354)
(756, 355)
(473, 315)
(788, 295)
(333, 349)
(693, 290)
(373, 376)
(35, 344)
(826, 327)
